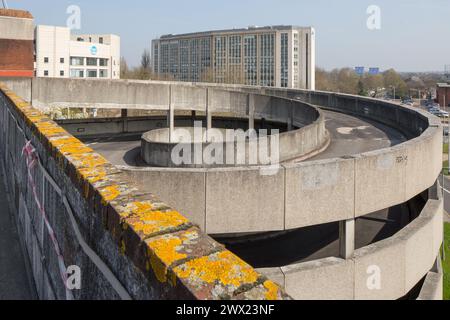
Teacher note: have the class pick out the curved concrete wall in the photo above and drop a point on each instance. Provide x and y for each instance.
(308, 193)
(399, 263)
(302, 194)
(300, 143)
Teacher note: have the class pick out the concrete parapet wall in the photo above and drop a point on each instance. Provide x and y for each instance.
(20, 86)
(127, 243)
(396, 174)
(386, 270)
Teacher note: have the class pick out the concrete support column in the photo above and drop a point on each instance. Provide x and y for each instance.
(171, 116)
(209, 117)
(251, 111)
(346, 238)
(124, 116)
(290, 119)
(193, 117)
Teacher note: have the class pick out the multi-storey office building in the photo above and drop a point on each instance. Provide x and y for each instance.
(60, 54)
(281, 56)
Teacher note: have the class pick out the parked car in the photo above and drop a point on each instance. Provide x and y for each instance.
(434, 110)
(444, 114)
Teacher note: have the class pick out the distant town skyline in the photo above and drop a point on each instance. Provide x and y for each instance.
(407, 39)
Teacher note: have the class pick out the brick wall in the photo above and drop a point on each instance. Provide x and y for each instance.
(16, 58)
(16, 44)
(441, 93)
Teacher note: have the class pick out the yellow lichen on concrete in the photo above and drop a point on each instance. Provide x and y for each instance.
(151, 222)
(130, 208)
(92, 175)
(223, 268)
(163, 252)
(70, 146)
(87, 160)
(49, 129)
(109, 193)
(273, 290)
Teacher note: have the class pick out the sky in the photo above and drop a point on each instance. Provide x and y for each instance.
(414, 35)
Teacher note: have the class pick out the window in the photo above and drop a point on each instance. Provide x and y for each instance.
(103, 73)
(61, 60)
(80, 39)
(45, 73)
(61, 73)
(103, 62)
(45, 59)
(76, 61)
(91, 61)
(76, 73)
(100, 40)
(284, 60)
(92, 73)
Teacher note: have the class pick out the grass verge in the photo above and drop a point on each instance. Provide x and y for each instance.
(446, 262)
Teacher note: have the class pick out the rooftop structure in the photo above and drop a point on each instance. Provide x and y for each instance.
(60, 54)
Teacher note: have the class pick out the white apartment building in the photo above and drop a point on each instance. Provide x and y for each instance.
(60, 54)
(280, 56)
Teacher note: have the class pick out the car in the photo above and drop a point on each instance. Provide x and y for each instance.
(434, 110)
(442, 114)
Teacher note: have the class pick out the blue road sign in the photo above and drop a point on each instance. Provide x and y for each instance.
(374, 71)
(359, 70)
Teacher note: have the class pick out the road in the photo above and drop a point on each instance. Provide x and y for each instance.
(349, 135)
(352, 135)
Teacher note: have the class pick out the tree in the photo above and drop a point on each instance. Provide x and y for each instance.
(323, 81)
(124, 71)
(144, 73)
(347, 81)
(145, 60)
(393, 80)
(373, 83)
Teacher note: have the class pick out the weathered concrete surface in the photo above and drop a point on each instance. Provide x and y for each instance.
(118, 222)
(414, 124)
(399, 263)
(325, 189)
(184, 190)
(327, 279)
(21, 86)
(254, 206)
(17, 28)
(15, 283)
